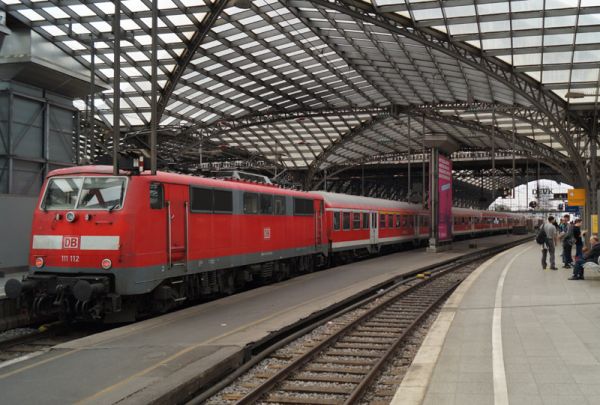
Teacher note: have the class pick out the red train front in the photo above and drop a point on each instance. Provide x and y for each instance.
(114, 247)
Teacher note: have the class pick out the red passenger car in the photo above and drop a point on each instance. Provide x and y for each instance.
(113, 247)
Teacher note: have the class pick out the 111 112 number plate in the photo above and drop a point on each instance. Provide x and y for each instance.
(69, 258)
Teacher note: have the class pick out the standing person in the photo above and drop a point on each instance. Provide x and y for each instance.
(564, 223)
(548, 245)
(567, 242)
(561, 231)
(578, 237)
(590, 256)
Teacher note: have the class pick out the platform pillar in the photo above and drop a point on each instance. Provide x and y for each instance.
(440, 192)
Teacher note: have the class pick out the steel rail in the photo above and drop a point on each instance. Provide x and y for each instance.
(361, 388)
(282, 338)
(254, 395)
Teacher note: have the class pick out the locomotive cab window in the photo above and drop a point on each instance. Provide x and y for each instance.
(336, 221)
(250, 203)
(157, 196)
(90, 193)
(62, 193)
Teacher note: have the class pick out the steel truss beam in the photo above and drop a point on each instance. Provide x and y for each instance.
(549, 104)
(188, 54)
(184, 139)
(540, 151)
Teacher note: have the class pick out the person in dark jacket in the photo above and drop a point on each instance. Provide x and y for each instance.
(589, 256)
(578, 236)
(567, 241)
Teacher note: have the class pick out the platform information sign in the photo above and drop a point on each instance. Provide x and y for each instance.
(576, 196)
(445, 198)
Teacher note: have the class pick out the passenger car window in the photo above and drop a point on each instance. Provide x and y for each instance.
(336, 221)
(382, 220)
(365, 220)
(346, 217)
(356, 220)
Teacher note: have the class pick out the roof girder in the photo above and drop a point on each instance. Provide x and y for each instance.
(544, 100)
(186, 57)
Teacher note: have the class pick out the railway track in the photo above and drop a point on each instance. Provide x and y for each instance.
(38, 340)
(342, 365)
(342, 360)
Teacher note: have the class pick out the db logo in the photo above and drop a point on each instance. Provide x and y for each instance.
(70, 242)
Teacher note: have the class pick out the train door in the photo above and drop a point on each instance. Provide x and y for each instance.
(319, 224)
(373, 228)
(176, 198)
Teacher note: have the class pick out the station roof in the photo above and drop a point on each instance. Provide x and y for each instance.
(318, 83)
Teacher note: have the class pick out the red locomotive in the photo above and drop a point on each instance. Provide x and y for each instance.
(113, 247)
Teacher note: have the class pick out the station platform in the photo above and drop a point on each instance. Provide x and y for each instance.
(512, 333)
(142, 362)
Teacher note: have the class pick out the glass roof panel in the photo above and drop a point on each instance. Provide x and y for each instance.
(284, 57)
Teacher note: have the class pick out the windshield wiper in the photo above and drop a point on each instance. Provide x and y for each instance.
(114, 206)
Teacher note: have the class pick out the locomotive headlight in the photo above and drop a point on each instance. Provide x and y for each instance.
(106, 264)
(39, 262)
(70, 216)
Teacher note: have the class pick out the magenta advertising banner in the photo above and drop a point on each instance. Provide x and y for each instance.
(445, 198)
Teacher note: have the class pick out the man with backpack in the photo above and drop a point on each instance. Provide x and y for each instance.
(547, 237)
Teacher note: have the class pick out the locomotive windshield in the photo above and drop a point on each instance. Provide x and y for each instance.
(92, 193)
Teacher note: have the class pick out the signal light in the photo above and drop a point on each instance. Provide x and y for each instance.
(106, 264)
(39, 262)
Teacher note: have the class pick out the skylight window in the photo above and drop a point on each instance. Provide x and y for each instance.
(84, 11)
(56, 12)
(31, 15)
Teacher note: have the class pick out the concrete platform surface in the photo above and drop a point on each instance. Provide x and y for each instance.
(139, 362)
(516, 335)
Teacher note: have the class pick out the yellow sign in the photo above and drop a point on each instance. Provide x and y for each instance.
(576, 197)
(595, 224)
